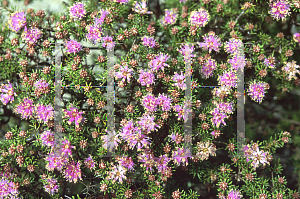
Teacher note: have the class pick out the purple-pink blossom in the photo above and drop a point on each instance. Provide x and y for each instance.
(66, 148)
(44, 113)
(280, 9)
(169, 18)
(148, 41)
(268, 63)
(110, 140)
(162, 162)
(41, 84)
(146, 78)
(199, 18)
(164, 102)
(108, 42)
(179, 80)
(26, 109)
(74, 115)
(116, 173)
(94, 34)
(181, 155)
(56, 160)
(99, 21)
(126, 162)
(125, 73)
(237, 62)
(208, 68)
(147, 159)
(77, 11)
(218, 117)
(8, 189)
(51, 186)
(89, 162)
(141, 8)
(73, 46)
(72, 172)
(159, 62)
(257, 91)
(233, 46)
(234, 194)
(32, 35)
(47, 138)
(150, 102)
(16, 21)
(9, 96)
(229, 79)
(211, 42)
(147, 123)
(296, 37)
(186, 50)
(291, 69)
(139, 141)
(181, 113)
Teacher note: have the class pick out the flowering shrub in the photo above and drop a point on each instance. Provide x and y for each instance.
(149, 139)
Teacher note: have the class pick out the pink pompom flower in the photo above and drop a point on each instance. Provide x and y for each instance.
(26, 109)
(89, 162)
(47, 138)
(16, 21)
(44, 113)
(146, 78)
(211, 42)
(141, 8)
(125, 73)
(280, 9)
(72, 172)
(94, 34)
(9, 96)
(199, 18)
(32, 35)
(150, 102)
(73, 46)
(74, 115)
(8, 189)
(51, 186)
(169, 18)
(257, 91)
(77, 11)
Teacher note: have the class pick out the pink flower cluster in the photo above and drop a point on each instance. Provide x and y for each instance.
(233, 46)
(280, 9)
(179, 80)
(9, 96)
(8, 189)
(73, 46)
(169, 18)
(32, 35)
(146, 78)
(16, 21)
(257, 91)
(148, 41)
(51, 186)
(77, 11)
(208, 68)
(237, 62)
(211, 42)
(159, 62)
(125, 73)
(220, 113)
(199, 18)
(74, 115)
(229, 79)
(141, 8)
